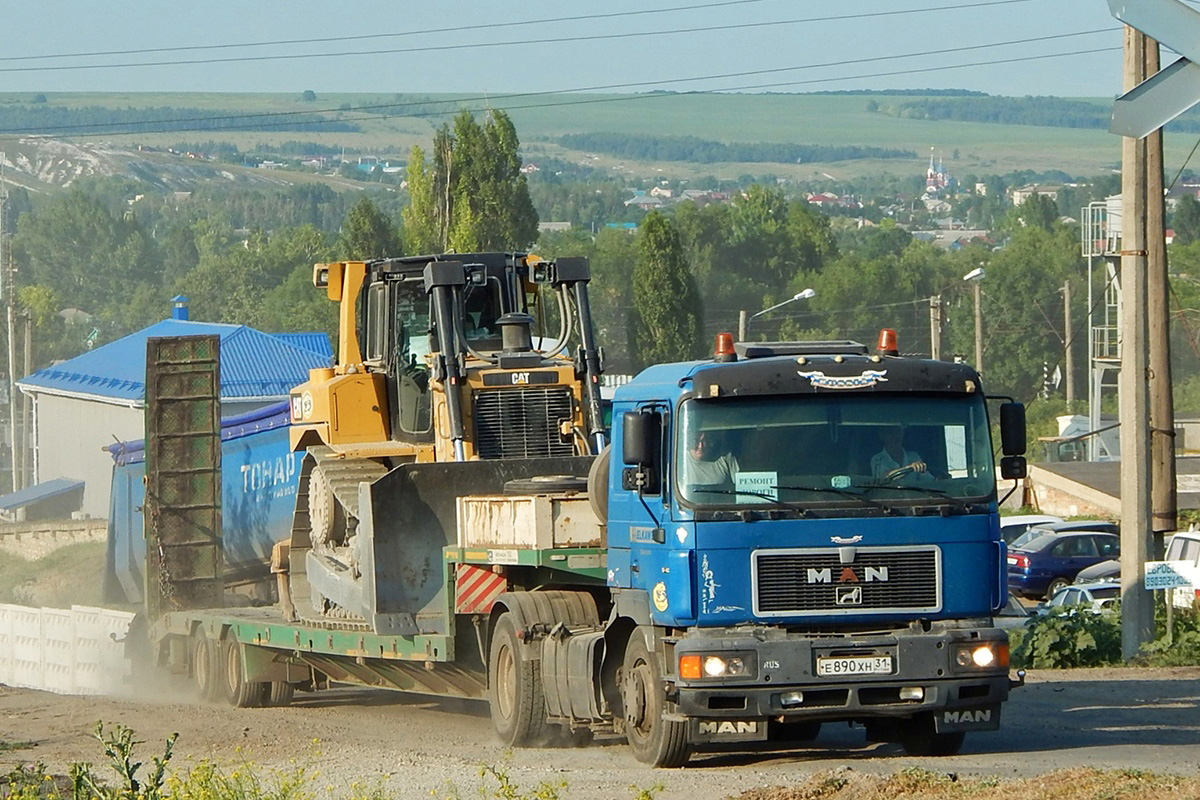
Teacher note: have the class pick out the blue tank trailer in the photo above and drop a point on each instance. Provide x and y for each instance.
(259, 477)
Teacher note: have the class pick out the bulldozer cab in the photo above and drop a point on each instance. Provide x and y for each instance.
(420, 341)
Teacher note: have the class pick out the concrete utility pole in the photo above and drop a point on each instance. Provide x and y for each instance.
(1137, 607)
(1068, 360)
(1163, 492)
(935, 327)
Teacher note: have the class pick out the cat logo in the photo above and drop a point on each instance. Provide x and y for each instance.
(715, 727)
(968, 716)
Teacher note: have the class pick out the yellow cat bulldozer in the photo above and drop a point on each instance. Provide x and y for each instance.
(456, 375)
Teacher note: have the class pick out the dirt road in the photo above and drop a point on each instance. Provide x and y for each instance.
(1114, 718)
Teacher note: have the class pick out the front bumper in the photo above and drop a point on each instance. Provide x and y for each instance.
(783, 681)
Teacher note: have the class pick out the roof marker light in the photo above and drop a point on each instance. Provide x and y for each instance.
(723, 351)
(888, 343)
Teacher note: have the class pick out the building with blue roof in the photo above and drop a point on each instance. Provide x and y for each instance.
(86, 403)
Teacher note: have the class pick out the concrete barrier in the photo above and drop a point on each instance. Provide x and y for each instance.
(67, 651)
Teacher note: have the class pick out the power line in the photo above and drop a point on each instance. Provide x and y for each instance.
(492, 100)
(483, 26)
(435, 48)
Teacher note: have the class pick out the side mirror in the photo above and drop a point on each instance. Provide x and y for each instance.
(1013, 468)
(641, 438)
(641, 450)
(1012, 429)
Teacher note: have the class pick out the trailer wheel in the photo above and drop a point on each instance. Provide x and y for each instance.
(240, 692)
(918, 738)
(279, 693)
(653, 739)
(204, 667)
(514, 688)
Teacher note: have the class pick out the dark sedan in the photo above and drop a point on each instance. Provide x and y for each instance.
(1039, 565)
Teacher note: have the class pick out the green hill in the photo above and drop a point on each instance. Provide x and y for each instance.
(956, 128)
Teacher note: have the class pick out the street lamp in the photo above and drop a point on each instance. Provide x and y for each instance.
(976, 276)
(744, 321)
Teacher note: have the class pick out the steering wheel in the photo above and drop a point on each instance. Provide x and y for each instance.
(898, 473)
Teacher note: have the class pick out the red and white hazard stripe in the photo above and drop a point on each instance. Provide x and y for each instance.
(476, 589)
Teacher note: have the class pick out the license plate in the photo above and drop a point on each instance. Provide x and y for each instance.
(1012, 562)
(854, 665)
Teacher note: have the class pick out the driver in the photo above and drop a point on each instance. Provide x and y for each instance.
(705, 465)
(893, 460)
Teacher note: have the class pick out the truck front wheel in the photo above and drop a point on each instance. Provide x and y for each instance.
(653, 739)
(514, 688)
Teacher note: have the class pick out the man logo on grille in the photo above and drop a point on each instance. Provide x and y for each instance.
(847, 575)
(848, 595)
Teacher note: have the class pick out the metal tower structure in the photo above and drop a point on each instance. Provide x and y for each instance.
(1101, 246)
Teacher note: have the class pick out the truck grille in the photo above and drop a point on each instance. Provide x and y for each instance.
(873, 579)
(522, 423)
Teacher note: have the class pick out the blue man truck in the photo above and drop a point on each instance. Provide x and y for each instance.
(743, 563)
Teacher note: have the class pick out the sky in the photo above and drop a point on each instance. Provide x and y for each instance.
(561, 45)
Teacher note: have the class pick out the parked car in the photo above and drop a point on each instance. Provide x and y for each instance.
(1109, 570)
(1043, 560)
(1098, 598)
(1014, 614)
(1181, 546)
(1014, 526)
(1063, 527)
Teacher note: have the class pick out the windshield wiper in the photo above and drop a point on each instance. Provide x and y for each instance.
(958, 501)
(751, 493)
(842, 493)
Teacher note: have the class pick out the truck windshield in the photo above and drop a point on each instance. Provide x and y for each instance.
(833, 450)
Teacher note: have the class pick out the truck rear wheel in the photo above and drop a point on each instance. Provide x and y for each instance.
(514, 688)
(279, 693)
(204, 667)
(919, 738)
(653, 739)
(240, 692)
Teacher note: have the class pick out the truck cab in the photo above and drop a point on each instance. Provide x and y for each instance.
(810, 532)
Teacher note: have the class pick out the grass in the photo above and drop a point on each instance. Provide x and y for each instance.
(137, 780)
(71, 575)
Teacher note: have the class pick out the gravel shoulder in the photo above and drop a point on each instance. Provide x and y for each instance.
(415, 747)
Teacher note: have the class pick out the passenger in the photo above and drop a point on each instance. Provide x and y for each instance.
(706, 465)
(893, 461)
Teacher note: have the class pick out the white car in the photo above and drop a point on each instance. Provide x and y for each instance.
(1014, 526)
(1099, 598)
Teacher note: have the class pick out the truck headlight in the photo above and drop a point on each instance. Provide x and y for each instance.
(696, 666)
(981, 655)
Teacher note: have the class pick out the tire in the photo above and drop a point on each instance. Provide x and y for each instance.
(653, 739)
(204, 667)
(1055, 585)
(920, 739)
(515, 693)
(239, 692)
(279, 693)
(545, 484)
(597, 484)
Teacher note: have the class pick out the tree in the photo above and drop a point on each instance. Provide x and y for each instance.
(420, 218)
(367, 234)
(667, 314)
(475, 189)
(308, 96)
(1186, 221)
(90, 255)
